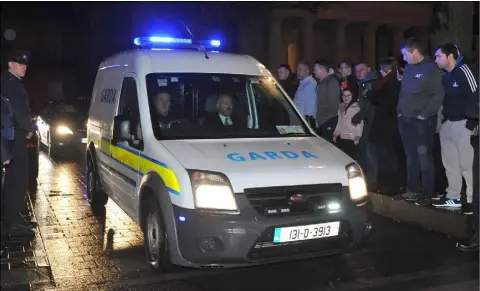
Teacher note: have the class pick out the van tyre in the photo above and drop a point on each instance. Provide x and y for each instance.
(96, 197)
(155, 238)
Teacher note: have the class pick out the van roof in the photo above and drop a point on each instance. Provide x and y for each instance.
(144, 61)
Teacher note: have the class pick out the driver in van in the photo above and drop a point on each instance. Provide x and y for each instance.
(223, 118)
(162, 101)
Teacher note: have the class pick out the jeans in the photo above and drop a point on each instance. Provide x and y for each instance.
(418, 141)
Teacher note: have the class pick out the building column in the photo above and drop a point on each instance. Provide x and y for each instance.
(341, 44)
(307, 39)
(275, 43)
(398, 38)
(369, 43)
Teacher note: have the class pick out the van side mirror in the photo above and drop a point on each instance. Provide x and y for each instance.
(121, 129)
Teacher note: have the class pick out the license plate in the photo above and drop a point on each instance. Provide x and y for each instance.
(306, 232)
(84, 140)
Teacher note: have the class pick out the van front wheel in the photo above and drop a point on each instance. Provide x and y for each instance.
(155, 238)
(96, 197)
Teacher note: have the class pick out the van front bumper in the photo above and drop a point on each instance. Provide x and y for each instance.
(221, 240)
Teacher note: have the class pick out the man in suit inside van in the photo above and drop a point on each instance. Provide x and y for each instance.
(222, 120)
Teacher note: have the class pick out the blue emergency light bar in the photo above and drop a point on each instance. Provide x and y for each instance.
(166, 42)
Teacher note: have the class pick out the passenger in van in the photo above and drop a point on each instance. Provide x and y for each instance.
(162, 101)
(223, 119)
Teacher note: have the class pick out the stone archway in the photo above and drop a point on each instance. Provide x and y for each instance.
(291, 41)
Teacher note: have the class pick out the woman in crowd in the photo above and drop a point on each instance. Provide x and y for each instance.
(347, 135)
(384, 135)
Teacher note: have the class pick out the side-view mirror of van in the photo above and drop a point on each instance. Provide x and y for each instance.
(121, 128)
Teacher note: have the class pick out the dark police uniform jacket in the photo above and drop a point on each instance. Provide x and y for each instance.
(13, 89)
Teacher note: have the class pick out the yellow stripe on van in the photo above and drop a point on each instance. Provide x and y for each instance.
(138, 162)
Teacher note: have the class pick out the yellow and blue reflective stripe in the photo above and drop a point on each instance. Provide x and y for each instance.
(140, 163)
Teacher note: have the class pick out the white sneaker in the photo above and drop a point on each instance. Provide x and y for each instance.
(453, 203)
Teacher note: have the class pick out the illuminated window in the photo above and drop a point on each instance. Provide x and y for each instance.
(292, 55)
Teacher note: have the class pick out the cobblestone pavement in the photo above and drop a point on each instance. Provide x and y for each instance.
(24, 264)
(104, 252)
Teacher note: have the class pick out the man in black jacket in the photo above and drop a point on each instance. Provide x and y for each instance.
(421, 96)
(288, 80)
(460, 87)
(366, 153)
(15, 185)
(348, 78)
(7, 134)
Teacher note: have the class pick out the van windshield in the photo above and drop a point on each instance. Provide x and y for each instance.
(211, 106)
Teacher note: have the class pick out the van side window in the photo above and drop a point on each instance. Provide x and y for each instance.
(128, 107)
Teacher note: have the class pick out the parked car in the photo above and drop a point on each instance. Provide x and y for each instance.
(62, 128)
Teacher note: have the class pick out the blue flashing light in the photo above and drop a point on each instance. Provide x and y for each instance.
(152, 40)
(182, 218)
(166, 42)
(160, 39)
(215, 43)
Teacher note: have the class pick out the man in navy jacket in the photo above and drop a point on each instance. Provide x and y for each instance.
(419, 101)
(460, 87)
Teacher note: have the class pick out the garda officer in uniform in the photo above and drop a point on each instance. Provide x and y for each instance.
(15, 184)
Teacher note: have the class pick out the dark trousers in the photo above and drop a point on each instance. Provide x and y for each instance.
(475, 193)
(388, 169)
(326, 130)
(348, 147)
(418, 140)
(15, 184)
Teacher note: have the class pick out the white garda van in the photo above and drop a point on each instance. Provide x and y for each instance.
(205, 151)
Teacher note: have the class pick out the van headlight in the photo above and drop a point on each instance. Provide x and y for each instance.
(62, 129)
(356, 182)
(212, 191)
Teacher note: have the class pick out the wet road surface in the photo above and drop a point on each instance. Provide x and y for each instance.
(105, 252)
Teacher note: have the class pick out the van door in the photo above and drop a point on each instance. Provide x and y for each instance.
(126, 176)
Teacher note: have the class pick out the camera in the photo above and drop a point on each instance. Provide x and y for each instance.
(365, 88)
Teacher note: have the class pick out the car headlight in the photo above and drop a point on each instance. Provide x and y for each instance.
(356, 182)
(62, 129)
(212, 191)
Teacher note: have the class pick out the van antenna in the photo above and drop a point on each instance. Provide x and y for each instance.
(201, 46)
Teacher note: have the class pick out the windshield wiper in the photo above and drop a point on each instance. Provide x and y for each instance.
(293, 134)
(254, 134)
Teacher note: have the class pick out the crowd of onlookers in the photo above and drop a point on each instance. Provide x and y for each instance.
(412, 126)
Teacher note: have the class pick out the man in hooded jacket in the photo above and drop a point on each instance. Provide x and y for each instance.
(460, 87)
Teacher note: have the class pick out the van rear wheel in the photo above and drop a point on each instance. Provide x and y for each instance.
(155, 238)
